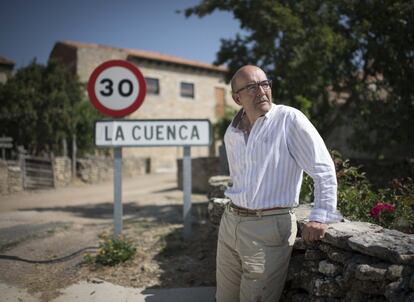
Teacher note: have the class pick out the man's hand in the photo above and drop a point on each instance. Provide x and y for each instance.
(313, 231)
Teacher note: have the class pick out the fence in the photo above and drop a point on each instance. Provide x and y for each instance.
(37, 172)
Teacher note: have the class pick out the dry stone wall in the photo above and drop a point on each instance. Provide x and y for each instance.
(355, 261)
(62, 171)
(4, 189)
(98, 169)
(202, 168)
(10, 177)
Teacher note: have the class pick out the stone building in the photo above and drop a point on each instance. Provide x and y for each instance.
(6, 69)
(176, 88)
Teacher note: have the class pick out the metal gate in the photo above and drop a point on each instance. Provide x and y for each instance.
(37, 173)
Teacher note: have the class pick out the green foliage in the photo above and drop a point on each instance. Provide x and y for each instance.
(86, 117)
(112, 251)
(221, 125)
(313, 48)
(42, 105)
(356, 199)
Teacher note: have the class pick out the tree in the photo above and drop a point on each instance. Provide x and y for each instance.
(42, 105)
(316, 51)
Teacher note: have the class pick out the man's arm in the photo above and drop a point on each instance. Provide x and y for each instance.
(309, 150)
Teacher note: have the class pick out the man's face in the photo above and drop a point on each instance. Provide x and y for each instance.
(253, 92)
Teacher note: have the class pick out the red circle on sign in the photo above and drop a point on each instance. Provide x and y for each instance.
(124, 111)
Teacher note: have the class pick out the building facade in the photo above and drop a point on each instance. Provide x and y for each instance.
(176, 89)
(6, 69)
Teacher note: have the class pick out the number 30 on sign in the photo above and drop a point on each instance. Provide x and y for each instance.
(116, 88)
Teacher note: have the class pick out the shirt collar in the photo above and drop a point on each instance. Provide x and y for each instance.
(237, 120)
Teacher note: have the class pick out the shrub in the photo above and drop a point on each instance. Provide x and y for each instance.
(112, 251)
(391, 207)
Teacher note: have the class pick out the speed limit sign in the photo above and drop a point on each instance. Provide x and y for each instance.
(116, 88)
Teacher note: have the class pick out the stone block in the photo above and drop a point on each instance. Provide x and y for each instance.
(339, 233)
(390, 245)
(369, 286)
(299, 244)
(329, 269)
(311, 265)
(218, 185)
(336, 254)
(396, 292)
(216, 207)
(325, 286)
(316, 254)
(374, 272)
(394, 272)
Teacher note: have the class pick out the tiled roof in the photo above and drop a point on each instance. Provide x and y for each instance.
(149, 55)
(6, 61)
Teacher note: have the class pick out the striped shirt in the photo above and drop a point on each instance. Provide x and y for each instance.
(266, 166)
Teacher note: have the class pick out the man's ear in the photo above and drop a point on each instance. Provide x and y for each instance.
(236, 98)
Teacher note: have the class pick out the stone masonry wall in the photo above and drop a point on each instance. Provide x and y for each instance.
(15, 181)
(10, 177)
(62, 171)
(202, 169)
(355, 261)
(3, 177)
(98, 169)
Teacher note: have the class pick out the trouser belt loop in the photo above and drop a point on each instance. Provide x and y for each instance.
(259, 213)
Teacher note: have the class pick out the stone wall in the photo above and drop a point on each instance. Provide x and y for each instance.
(62, 170)
(10, 177)
(202, 168)
(15, 180)
(4, 189)
(355, 261)
(98, 169)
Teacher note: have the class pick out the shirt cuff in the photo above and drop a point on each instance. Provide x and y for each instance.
(325, 216)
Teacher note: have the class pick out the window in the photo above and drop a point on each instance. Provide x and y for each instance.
(187, 90)
(153, 86)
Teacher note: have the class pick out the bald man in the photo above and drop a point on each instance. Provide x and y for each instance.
(268, 148)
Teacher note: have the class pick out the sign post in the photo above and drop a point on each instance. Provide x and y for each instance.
(159, 133)
(117, 191)
(117, 88)
(187, 192)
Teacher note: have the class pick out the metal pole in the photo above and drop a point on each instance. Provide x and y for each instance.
(117, 191)
(74, 150)
(187, 192)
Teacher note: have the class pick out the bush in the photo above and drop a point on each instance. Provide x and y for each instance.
(391, 207)
(220, 127)
(112, 251)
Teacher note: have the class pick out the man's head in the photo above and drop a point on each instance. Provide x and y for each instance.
(252, 90)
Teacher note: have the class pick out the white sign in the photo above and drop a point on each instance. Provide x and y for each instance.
(147, 133)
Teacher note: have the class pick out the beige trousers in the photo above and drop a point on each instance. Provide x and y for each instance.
(253, 256)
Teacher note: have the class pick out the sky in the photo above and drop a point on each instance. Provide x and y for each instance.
(30, 28)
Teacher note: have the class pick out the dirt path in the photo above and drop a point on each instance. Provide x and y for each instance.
(44, 234)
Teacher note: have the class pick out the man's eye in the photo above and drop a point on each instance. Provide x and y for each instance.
(251, 87)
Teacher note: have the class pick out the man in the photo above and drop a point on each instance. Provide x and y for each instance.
(268, 147)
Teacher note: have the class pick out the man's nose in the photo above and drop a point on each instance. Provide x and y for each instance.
(260, 90)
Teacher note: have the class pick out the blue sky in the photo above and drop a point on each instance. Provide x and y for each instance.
(30, 28)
